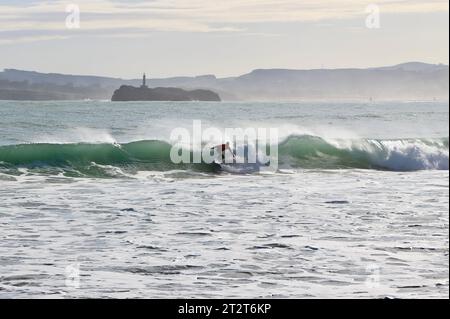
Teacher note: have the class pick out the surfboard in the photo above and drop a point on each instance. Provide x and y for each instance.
(237, 168)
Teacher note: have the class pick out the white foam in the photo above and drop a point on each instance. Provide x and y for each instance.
(410, 155)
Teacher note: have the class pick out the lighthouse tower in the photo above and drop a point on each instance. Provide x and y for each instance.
(144, 85)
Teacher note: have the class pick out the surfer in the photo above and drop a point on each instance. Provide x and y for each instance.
(222, 148)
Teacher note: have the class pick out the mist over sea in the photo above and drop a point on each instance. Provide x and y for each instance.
(92, 206)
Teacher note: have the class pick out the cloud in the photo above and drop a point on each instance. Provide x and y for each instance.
(134, 17)
(31, 39)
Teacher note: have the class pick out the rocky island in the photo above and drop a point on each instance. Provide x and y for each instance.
(144, 93)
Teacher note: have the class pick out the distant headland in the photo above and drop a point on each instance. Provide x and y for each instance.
(411, 81)
(144, 93)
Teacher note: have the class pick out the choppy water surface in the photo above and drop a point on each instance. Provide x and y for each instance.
(358, 209)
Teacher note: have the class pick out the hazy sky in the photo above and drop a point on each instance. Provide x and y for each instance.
(124, 38)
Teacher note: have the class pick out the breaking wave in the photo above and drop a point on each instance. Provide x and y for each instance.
(295, 152)
(395, 155)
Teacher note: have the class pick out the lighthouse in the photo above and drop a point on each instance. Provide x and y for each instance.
(144, 85)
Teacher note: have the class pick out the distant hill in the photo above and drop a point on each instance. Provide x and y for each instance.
(28, 85)
(415, 67)
(407, 81)
(62, 79)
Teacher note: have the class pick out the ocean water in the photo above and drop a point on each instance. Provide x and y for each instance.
(91, 205)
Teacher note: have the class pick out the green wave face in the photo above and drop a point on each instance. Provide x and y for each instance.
(311, 152)
(69, 154)
(298, 152)
(92, 160)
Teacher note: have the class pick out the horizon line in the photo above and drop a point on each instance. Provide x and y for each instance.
(225, 77)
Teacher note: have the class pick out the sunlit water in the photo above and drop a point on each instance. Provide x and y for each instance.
(322, 226)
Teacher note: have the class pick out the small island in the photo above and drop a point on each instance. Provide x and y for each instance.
(144, 93)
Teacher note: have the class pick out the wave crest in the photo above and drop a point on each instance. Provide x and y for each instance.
(397, 155)
(296, 151)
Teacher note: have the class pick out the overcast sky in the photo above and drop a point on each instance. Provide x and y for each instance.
(123, 38)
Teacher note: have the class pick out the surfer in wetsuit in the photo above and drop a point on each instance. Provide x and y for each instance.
(223, 148)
